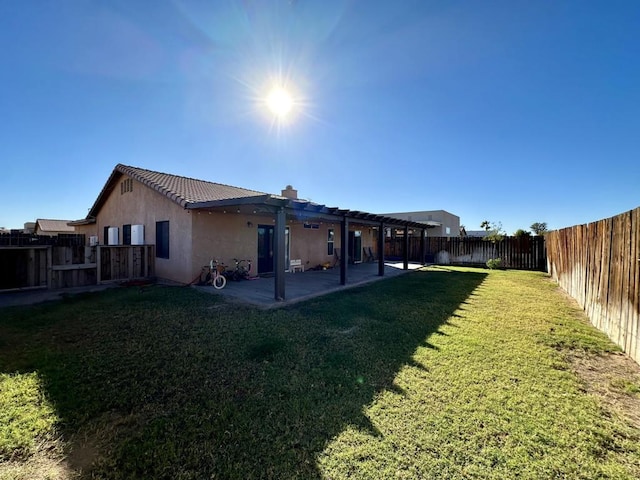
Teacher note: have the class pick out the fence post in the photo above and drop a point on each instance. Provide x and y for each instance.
(405, 253)
(130, 273)
(49, 266)
(98, 264)
(381, 249)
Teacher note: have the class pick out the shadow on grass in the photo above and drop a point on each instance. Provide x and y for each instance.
(160, 385)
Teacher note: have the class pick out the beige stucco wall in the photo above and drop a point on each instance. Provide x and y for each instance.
(310, 245)
(227, 236)
(87, 230)
(224, 237)
(235, 235)
(144, 206)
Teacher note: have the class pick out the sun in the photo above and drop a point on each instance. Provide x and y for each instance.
(279, 102)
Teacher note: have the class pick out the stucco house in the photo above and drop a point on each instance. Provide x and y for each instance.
(192, 221)
(442, 223)
(49, 227)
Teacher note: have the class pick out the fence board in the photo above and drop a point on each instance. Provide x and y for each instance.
(56, 266)
(634, 290)
(599, 265)
(524, 253)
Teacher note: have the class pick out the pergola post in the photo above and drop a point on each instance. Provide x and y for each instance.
(344, 247)
(279, 257)
(381, 250)
(423, 246)
(405, 253)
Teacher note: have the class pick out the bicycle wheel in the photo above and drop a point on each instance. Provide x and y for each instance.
(219, 282)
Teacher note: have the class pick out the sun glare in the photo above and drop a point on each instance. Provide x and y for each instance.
(279, 102)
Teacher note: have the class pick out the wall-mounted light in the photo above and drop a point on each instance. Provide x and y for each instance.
(249, 224)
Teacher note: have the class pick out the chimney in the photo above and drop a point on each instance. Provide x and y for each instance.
(289, 192)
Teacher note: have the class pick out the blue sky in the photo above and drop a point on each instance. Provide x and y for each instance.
(510, 111)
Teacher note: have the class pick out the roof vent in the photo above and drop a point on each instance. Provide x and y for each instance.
(290, 192)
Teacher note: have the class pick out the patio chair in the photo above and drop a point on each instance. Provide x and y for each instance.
(371, 256)
(336, 256)
(366, 252)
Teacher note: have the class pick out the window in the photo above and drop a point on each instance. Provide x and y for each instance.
(105, 239)
(162, 239)
(126, 234)
(330, 240)
(448, 230)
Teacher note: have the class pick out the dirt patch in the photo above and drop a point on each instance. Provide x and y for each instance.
(95, 440)
(614, 378)
(41, 466)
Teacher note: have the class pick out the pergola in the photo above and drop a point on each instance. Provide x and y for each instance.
(282, 208)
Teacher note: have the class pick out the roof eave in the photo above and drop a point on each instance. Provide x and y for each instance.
(228, 202)
(83, 221)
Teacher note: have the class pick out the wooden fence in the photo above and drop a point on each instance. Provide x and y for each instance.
(51, 266)
(523, 253)
(21, 239)
(125, 262)
(598, 264)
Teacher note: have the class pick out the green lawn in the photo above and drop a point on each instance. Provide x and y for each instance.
(445, 373)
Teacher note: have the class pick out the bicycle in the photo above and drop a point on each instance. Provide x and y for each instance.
(213, 275)
(241, 270)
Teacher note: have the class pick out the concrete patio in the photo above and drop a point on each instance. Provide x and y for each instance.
(299, 286)
(302, 286)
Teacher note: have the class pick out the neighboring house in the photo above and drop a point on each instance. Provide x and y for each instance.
(192, 221)
(440, 222)
(52, 227)
(477, 233)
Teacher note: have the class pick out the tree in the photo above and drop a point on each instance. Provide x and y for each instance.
(521, 233)
(539, 228)
(494, 231)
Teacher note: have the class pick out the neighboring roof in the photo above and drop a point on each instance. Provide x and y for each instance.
(46, 225)
(191, 193)
(477, 233)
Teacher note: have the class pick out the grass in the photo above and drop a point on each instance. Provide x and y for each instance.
(446, 373)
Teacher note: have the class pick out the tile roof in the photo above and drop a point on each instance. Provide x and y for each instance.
(193, 193)
(185, 190)
(47, 225)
